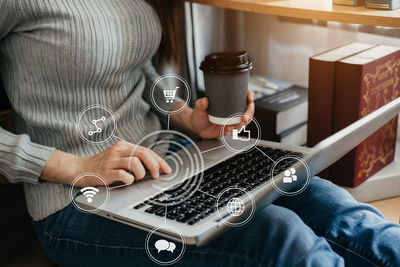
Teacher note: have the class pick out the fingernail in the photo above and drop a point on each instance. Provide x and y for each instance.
(169, 170)
(156, 175)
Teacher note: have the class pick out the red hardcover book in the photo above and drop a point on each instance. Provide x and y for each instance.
(364, 83)
(321, 87)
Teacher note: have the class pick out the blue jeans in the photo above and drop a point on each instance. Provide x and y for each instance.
(323, 226)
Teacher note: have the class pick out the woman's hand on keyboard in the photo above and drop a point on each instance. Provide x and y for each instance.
(123, 162)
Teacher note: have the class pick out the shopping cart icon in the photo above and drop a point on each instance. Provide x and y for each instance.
(170, 95)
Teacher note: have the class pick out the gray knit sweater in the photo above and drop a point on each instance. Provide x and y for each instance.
(58, 57)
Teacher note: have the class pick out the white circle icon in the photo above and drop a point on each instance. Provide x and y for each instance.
(92, 196)
(232, 201)
(164, 91)
(240, 140)
(96, 124)
(293, 174)
(163, 251)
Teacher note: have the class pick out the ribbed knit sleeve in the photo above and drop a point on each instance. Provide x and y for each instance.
(8, 16)
(20, 159)
(151, 77)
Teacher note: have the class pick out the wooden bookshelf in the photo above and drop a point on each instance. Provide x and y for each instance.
(389, 208)
(312, 9)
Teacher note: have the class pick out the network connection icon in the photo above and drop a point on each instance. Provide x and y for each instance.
(89, 193)
(98, 129)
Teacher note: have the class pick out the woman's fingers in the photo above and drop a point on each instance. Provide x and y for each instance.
(201, 104)
(228, 129)
(249, 113)
(138, 154)
(150, 161)
(129, 164)
(250, 96)
(121, 149)
(120, 175)
(125, 149)
(164, 167)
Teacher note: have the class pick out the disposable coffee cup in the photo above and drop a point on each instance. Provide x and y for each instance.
(226, 78)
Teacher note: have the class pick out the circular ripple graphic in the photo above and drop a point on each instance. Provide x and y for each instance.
(186, 163)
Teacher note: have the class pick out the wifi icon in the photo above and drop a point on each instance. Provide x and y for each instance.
(89, 193)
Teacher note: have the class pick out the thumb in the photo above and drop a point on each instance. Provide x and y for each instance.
(202, 104)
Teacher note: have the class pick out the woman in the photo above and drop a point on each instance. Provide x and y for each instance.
(59, 57)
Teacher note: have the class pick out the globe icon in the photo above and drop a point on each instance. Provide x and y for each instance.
(235, 206)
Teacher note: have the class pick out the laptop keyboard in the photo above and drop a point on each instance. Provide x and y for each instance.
(247, 170)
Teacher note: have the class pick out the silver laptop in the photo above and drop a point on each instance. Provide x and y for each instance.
(191, 200)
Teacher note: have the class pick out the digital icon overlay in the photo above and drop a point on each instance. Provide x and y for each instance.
(96, 197)
(245, 134)
(293, 180)
(96, 124)
(289, 176)
(170, 94)
(98, 129)
(167, 86)
(232, 201)
(89, 192)
(163, 244)
(240, 140)
(163, 251)
(235, 206)
(185, 163)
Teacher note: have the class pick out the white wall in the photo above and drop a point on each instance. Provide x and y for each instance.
(280, 47)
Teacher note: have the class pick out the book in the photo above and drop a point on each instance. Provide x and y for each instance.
(381, 185)
(281, 111)
(321, 87)
(349, 2)
(364, 83)
(382, 4)
(262, 86)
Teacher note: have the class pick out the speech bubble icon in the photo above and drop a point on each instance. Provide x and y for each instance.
(161, 245)
(171, 248)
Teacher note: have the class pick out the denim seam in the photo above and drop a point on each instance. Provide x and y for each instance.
(358, 252)
(349, 250)
(228, 254)
(88, 244)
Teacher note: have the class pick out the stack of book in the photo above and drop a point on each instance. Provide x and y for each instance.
(346, 84)
(383, 4)
(375, 4)
(283, 116)
(349, 2)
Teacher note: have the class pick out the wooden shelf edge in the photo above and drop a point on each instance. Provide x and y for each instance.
(293, 8)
